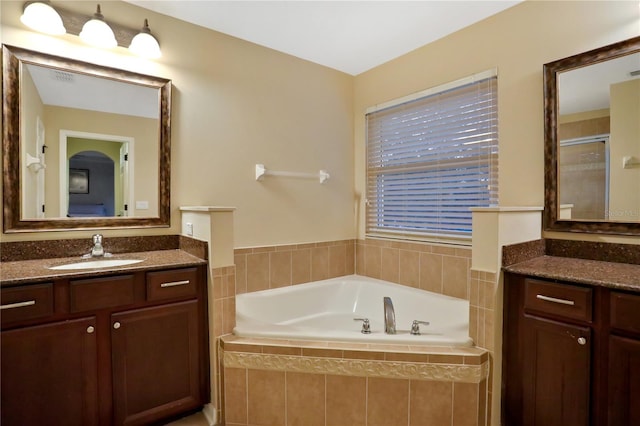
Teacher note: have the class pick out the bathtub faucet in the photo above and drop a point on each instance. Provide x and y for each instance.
(389, 316)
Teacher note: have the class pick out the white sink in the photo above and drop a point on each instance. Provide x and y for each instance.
(91, 264)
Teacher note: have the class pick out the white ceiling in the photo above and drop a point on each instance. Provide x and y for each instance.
(350, 36)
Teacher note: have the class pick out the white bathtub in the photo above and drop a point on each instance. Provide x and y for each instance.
(325, 310)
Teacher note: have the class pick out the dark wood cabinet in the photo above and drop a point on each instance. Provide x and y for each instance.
(50, 374)
(556, 373)
(624, 381)
(571, 354)
(121, 349)
(155, 362)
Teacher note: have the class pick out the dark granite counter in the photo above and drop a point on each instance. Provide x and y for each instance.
(622, 276)
(23, 271)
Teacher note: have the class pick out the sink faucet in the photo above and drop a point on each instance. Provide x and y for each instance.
(389, 316)
(97, 250)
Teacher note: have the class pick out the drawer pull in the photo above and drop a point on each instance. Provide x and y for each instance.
(18, 305)
(555, 300)
(174, 283)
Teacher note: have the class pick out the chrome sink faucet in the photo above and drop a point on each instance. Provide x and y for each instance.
(97, 250)
(389, 316)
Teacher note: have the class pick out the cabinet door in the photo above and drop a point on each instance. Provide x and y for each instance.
(556, 373)
(49, 374)
(155, 358)
(624, 381)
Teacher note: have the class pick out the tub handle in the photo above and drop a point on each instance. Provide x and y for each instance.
(415, 326)
(366, 326)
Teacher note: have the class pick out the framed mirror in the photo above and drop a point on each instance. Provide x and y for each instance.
(592, 141)
(84, 146)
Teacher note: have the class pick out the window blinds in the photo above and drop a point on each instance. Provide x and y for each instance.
(432, 157)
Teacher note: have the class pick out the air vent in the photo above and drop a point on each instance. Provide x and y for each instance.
(634, 73)
(65, 77)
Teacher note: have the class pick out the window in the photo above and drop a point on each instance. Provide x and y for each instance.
(430, 157)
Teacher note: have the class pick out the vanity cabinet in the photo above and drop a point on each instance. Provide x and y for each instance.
(571, 354)
(119, 349)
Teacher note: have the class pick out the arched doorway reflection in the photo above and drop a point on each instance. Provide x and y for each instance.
(91, 185)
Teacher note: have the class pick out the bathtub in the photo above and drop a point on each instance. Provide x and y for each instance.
(325, 310)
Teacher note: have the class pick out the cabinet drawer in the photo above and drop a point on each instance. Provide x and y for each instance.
(563, 300)
(26, 303)
(100, 293)
(625, 311)
(172, 284)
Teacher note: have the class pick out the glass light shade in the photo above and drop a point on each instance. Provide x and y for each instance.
(98, 33)
(43, 18)
(144, 44)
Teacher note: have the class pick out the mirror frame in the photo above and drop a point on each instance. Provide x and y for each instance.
(551, 208)
(13, 222)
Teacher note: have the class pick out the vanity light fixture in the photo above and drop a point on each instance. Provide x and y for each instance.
(144, 44)
(97, 32)
(42, 17)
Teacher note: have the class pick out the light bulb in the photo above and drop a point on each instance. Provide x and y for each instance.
(97, 32)
(144, 44)
(43, 18)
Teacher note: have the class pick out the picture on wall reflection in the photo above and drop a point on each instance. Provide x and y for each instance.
(78, 181)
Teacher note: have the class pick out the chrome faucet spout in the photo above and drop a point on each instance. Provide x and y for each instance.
(389, 316)
(97, 250)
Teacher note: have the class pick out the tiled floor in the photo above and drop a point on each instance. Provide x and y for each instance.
(196, 419)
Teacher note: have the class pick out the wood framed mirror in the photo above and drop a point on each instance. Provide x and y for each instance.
(62, 115)
(592, 141)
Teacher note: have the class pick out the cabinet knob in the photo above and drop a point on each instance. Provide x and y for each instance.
(582, 341)
(116, 325)
(90, 329)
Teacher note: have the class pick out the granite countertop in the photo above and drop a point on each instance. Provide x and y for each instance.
(622, 276)
(23, 271)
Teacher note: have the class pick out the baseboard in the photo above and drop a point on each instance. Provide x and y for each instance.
(209, 412)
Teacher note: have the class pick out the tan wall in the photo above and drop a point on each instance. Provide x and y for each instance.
(235, 104)
(28, 127)
(518, 42)
(624, 201)
(144, 132)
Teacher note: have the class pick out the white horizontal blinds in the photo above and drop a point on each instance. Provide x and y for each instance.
(432, 158)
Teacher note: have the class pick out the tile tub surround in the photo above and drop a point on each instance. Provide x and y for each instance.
(331, 383)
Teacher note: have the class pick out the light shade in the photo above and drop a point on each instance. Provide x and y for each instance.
(42, 18)
(97, 33)
(144, 44)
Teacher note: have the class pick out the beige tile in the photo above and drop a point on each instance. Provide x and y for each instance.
(346, 401)
(360, 259)
(455, 276)
(465, 404)
(372, 261)
(229, 285)
(431, 403)
(489, 330)
(197, 419)
(217, 318)
(228, 314)
(337, 261)
(489, 294)
(474, 291)
(266, 400)
(350, 258)
(483, 404)
(431, 272)
(409, 268)
(387, 402)
(257, 272)
(319, 263)
(280, 269)
(217, 287)
(241, 273)
(390, 265)
(301, 266)
(235, 395)
(305, 399)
